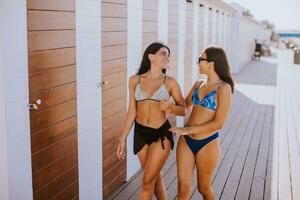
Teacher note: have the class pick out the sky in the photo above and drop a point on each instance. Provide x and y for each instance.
(285, 14)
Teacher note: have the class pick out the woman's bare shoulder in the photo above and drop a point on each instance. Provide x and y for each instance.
(133, 80)
(171, 80)
(134, 77)
(225, 88)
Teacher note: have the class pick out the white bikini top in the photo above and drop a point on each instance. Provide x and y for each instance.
(160, 94)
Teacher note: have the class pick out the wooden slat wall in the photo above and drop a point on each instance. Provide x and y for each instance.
(188, 48)
(173, 20)
(210, 27)
(52, 79)
(114, 71)
(150, 23)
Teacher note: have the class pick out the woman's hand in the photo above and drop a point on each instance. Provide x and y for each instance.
(165, 106)
(180, 130)
(121, 149)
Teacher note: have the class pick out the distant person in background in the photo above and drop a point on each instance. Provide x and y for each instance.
(149, 93)
(199, 141)
(257, 51)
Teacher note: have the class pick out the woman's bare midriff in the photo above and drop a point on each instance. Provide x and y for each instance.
(200, 115)
(149, 114)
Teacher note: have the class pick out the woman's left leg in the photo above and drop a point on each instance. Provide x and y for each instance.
(155, 160)
(159, 189)
(206, 162)
(185, 169)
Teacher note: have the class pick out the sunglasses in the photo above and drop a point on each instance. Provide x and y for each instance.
(201, 59)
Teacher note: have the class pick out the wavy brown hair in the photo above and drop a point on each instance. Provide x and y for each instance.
(151, 49)
(218, 56)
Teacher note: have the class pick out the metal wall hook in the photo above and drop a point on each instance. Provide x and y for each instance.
(103, 83)
(34, 106)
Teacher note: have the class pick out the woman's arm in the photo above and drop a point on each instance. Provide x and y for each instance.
(129, 120)
(223, 108)
(188, 99)
(179, 107)
(131, 112)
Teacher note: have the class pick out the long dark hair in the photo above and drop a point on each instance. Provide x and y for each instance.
(151, 49)
(218, 56)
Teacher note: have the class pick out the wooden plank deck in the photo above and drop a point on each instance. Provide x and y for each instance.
(260, 142)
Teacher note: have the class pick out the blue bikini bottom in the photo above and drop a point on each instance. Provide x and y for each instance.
(196, 145)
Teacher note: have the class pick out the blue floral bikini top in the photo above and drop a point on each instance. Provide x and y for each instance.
(209, 101)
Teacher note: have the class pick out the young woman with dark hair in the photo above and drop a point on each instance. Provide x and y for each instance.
(198, 144)
(149, 93)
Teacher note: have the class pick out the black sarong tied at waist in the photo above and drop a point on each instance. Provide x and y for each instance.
(147, 135)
